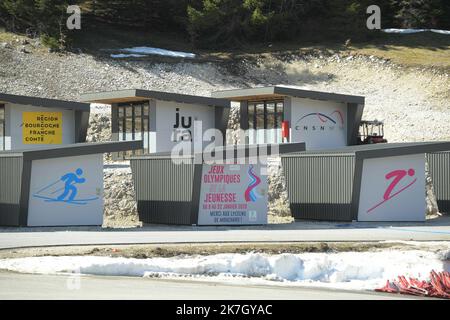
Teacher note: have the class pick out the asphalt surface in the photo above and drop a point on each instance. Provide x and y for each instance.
(435, 230)
(55, 287)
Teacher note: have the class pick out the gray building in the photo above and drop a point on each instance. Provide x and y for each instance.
(58, 186)
(160, 119)
(196, 190)
(322, 120)
(439, 166)
(33, 123)
(381, 182)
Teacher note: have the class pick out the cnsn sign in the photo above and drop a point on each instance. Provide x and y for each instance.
(317, 121)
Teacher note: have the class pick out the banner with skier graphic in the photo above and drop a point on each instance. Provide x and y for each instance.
(393, 189)
(66, 191)
(233, 194)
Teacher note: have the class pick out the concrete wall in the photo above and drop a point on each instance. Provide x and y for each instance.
(14, 137)
(320, 124)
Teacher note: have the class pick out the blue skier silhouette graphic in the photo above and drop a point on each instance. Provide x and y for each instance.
(70, 179)
(69, 190)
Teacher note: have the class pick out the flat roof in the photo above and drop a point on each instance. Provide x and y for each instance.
(259, 149)
(380, 150)
(128, 95)
(76, 149)
(280, 91)
(44, 102)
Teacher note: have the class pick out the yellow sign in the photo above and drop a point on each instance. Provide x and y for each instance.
(42, 127)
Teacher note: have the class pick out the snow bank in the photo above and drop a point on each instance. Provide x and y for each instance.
(143, 51)
(410, 31)
(349, 270)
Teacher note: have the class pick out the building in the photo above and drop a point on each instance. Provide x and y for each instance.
(33, 123)
(378, 182)
(320, 119)
(196, 191)
(160, 119)
(439, 167)
(55, 186)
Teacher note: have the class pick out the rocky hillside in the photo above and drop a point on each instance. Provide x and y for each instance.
(413, 101)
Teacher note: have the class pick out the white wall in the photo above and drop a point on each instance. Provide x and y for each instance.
(402, 205)
(318, 132)
(260, 136)
(46, 185)
(165, 120)
(14, 125)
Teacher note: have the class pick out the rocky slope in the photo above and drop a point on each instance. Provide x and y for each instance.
(413, 102)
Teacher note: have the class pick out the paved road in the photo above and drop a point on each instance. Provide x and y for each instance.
(438, 230)
(27, 286)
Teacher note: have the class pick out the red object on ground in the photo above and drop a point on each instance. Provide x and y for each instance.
(285, 129)
(438, 286)
(391, 288)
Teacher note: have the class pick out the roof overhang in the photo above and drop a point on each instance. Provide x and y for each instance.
(76, 149)
(279, 92)
(44, 102)
(130, 95)
(380, 150)
(238, 151)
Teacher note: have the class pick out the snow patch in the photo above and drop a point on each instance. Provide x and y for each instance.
(100, 108)
(410, 31)
(123, 55)
(144, 51)
(347, 270)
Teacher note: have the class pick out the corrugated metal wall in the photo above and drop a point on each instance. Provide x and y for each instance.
(439, 166)
(10, 187)
(163, 190)
(320, 186)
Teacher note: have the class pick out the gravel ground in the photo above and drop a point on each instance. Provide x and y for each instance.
(413, 102)
(170, 250)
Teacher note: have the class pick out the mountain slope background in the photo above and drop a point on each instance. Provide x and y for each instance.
(405, 81)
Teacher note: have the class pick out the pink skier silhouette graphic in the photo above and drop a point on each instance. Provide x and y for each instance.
(398, 175)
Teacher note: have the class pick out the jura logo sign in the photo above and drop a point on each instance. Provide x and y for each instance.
(317, 121)
(404, 179)
(182, 128)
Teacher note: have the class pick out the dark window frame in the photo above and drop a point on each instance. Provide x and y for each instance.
(252, 123)
(144, 123)
(275, 117)
(3, 123)
(278, 112)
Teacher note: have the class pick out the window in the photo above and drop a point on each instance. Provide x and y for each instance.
(251, 116)
(133, 124)
(270, 118)
(279, 114)
(266, 115)
(2, 127)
